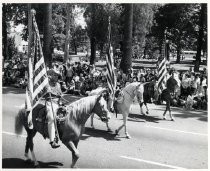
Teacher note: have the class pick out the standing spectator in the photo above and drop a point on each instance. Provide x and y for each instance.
(142, 79)
(69, 74)
(185, 85)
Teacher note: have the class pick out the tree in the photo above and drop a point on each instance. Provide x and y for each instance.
(97, 24)
(66, 52)
(175, 17)
(200, 40)
(126, 61)
(47, 37)
(11, 14)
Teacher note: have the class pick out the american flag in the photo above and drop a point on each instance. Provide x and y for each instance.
(38, 83)
(111, 78)
(162, 71)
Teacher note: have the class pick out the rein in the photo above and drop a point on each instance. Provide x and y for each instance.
(129, 93)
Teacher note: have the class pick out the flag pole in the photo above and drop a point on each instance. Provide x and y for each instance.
(32, 14)
(110, 51)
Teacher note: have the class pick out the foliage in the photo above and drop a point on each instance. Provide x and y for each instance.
(181, 22)
(12, 49)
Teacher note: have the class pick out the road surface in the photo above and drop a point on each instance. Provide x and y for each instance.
(154, 143)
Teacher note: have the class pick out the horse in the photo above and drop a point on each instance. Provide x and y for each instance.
(122, 105)
(107, 98)
(150, 94)
(70, 129)
(172, 87)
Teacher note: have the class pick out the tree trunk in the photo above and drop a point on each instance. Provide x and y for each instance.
(67, 41)
(93, 39)
(200, 39)
(101, 50)
(126, 61)
(47, 38)
(4, 33)
(75, 47)
(178, 54)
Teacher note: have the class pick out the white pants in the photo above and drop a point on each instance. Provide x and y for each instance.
(50, 117)
(140, 92)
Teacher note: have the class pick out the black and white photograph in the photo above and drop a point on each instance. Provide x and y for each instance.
(104, 85)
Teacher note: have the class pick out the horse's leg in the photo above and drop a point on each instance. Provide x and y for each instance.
(169, 108)
(118, 130)
(91, 119)
(125, 120)
(141, 109)
(72, 146)
(31, 134)
(27, 147)
(147, 112)
(164, 114)
(108, 128)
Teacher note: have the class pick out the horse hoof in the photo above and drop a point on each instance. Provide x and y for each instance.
(164, 118)
(116, 132)
(92, 127)
(172, 119)
(147, 113)
(36, 165)
(128, 136)
(109, 130)
(28, 161)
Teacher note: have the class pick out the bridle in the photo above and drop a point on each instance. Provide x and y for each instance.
(135, 89)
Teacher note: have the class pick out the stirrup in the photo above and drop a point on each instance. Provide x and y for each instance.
(54, 144)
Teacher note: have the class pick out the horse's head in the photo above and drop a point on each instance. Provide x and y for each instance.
(101, 108)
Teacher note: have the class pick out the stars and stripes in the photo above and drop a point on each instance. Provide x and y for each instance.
(38, 84)
(162, 71)
(111, 78)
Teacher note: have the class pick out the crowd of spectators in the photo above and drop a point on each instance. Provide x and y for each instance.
(80, 78)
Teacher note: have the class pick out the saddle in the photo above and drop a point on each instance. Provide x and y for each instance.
(40, 118)
(119, 96)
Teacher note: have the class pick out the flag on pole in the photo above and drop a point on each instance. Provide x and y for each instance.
(162, 71)
(111, 78)
(38, 83)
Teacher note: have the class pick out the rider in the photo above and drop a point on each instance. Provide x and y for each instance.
(55, 93)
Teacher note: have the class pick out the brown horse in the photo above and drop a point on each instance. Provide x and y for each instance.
(70, 130)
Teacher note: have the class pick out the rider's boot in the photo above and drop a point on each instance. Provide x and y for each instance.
(51, 131)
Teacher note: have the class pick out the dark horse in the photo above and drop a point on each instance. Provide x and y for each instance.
(71, 128)
(151, 92)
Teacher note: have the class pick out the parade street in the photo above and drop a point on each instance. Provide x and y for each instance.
(154, 143)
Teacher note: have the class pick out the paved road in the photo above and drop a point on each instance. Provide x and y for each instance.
(155, 143)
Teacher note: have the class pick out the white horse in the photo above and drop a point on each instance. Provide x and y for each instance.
(123, 105)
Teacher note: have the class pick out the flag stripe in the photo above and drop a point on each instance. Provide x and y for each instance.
(39, 75)
(162, 71)
(40, 87)
(40, 83)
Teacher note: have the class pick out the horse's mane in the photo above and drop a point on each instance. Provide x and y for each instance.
(82, 106)
(96, 91)
(131, 85)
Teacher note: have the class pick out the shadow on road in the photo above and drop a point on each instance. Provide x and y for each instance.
(200, 115)
(136, 117)
(109, 136)
(7, 90)
(20, 163)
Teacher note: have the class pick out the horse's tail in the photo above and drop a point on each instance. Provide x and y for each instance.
(19, 121)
